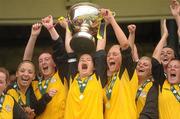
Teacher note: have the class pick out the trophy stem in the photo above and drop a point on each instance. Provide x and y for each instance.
(85, 27)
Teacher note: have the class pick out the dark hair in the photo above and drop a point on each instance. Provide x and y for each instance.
(80, 54)
(175, 54)
(6, 72)
(46, 51)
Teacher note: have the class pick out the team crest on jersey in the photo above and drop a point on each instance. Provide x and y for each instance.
(53, 80)
(8, 108)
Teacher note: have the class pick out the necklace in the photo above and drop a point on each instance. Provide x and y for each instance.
(140, 89)
(43, 88)
(175, 92)
(82, 85)
(109, 89)
(15, 86)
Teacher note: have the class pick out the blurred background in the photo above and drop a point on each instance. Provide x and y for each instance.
(17, 16)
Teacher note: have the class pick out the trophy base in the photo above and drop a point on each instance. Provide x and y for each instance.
(83, 42)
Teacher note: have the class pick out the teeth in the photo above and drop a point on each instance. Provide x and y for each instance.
(173, 75)
(45, 68)
(165, 60)
(84, 66)
(141, 70)
(23, 79)
(173, 78)
(112, 63)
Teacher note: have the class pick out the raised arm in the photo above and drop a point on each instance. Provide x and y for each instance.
(162, 42)
(175, 10)
(135, 54)
(101, 43)
(100, 60)
(121, 37)
(48, 23)
(131, 39)
(72, 59)
(59, 52)
(64, 24)
(127, 60)
(35, 31)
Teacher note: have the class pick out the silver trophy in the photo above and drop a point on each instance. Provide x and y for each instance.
(84, 21)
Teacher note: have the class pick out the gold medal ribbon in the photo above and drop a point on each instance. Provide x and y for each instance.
(82, 84)
(43, 88)
(110, 86)
(175, 92)
(140, 89)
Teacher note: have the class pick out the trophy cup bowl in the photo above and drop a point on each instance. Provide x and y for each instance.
(84, 20)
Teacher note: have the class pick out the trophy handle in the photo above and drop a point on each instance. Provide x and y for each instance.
(113, 13)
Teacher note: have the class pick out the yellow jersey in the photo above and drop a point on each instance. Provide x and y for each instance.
(140, 102)
(122, 102)
(7, 108)
(89, 104)
(56, 107)
(169, 106)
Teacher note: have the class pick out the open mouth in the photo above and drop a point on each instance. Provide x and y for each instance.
(23, 79)
(112, 63)
(173, 75)
(45, 68)
(141, 70)
(84, 66)
(165, 60)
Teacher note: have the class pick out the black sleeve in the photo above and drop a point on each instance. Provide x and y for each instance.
(18, 111)
(72, 66)
(39, 105)
(173, 40)
(157, 72)
(150, 110)
(101, 66)
(127, 62)
(60, 57)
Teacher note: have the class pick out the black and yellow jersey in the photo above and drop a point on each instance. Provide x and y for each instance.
(29, 98)
(119, 99)
(169, 106)
(141, 95)
(11, 109)
(87, 104)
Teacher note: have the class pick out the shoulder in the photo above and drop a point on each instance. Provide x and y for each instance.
(9, 98)
(11, 91)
